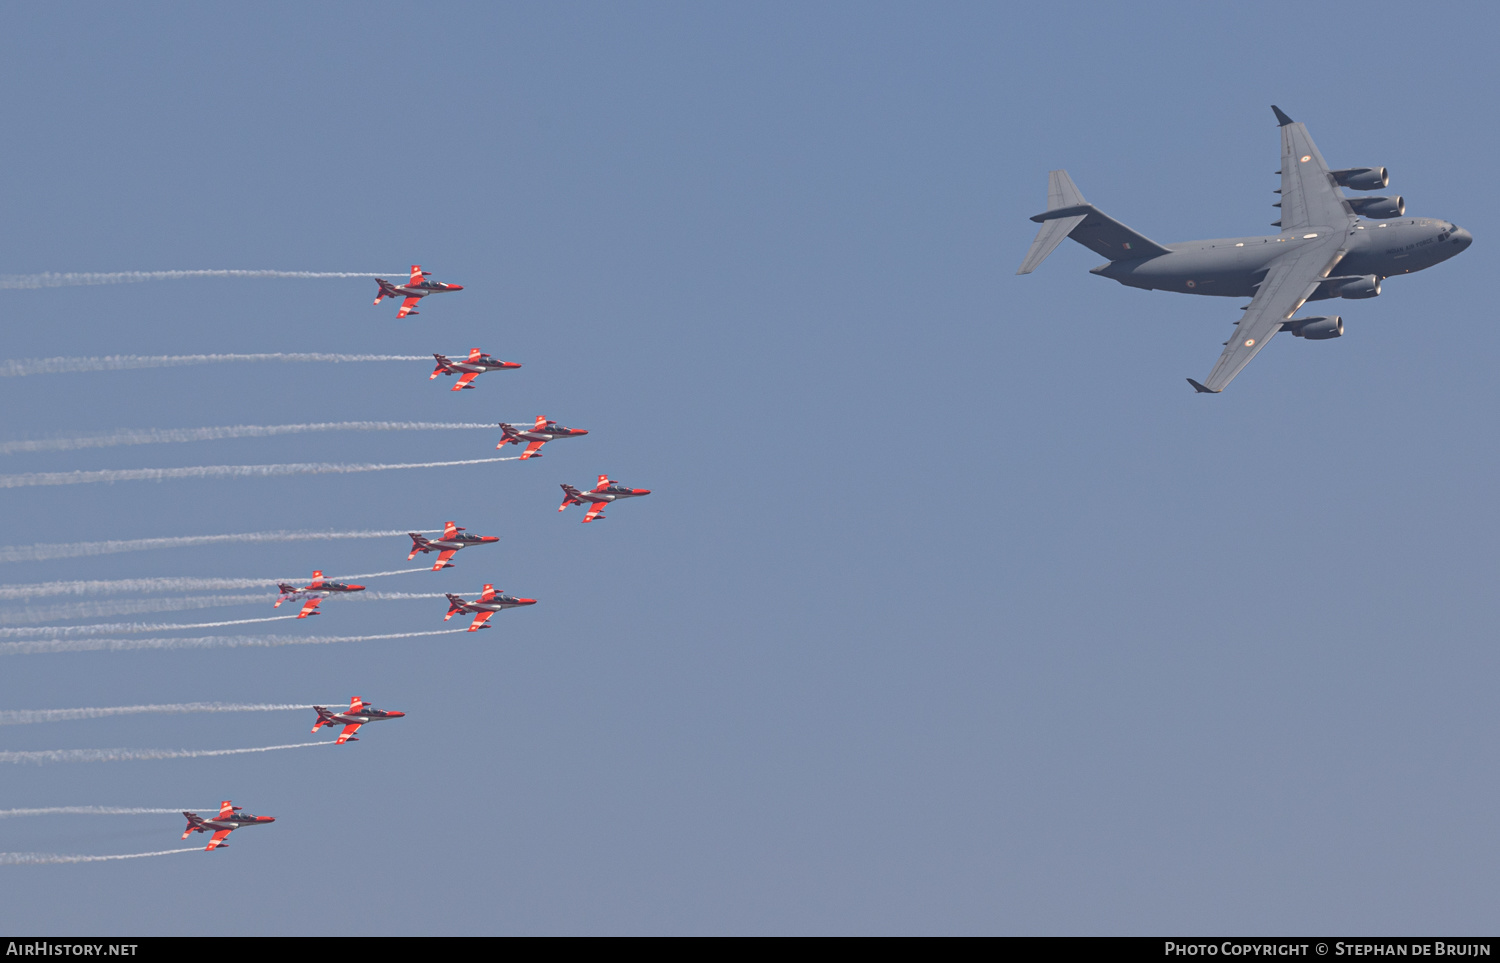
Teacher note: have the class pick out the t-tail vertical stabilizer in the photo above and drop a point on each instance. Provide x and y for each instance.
(1069, 215)
(1061, 195)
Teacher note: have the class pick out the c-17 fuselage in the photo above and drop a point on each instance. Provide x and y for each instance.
(1231, 267)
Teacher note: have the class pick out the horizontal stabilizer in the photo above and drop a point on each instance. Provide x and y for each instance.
(1047, 240)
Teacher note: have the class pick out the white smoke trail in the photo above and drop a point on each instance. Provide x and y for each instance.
(89, 610)
(35, 553)
(383, 596)
(143, 586)
(399, 571)
(73, 278)
(139, 586)
(93, 811)
(39, 756)
(39, 859)
(201, 642)
(129, 362)
(65, 631)
(111, 475)
(155, 436)
(24, 717)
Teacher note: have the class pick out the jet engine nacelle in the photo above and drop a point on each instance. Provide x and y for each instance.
(1317, 329)
(1379, 206)
(1365, 287)
(1362, 178)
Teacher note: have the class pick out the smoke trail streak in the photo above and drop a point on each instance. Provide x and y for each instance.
(383, 596)
(89, 610)
(52, 279)
(201, 642)
(147, 585)
(64, 631)
(35, 553)
(39, 859)
(26, 717)
(93, 811)
(111, 475)
(39, 756)
(128, 362)
(399, 571)
(155, 436)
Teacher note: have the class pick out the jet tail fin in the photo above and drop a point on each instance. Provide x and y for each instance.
(1069, 215)
(1062, 193)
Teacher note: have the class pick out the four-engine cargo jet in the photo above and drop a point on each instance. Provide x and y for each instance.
(229, 819)
(446, 545)
(314, 592)
(1329, 246)
(359, 713)
(600, 495)
(536, 435)
(413, 291)
(476, 364)
(488, 603)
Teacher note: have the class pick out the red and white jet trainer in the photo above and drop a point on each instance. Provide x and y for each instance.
(476, 364)
(311, 591)
(536, 436)
(413, 291)
(230, 818)
(488, 603)
(446, 545)
(601, 494)
(358, 713)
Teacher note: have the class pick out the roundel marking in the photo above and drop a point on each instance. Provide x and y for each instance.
(1192, 284)
(1306, 158)
(1249, 342)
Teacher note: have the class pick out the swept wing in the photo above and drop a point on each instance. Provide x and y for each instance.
(1288, 283)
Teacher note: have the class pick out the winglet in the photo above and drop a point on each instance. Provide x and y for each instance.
(1202, 390)
(1281, 118)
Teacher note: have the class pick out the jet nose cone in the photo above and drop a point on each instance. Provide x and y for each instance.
(641, 491)
(397, 715)
(580, 431)
(1463, 237)
(455, 287)
(267, 819)
(356, 588)
(526, 601)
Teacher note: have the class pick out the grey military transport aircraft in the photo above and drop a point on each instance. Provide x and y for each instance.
(1330, 246)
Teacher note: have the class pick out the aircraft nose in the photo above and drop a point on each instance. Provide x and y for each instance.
(641, 491)
(397, 715)
(455, 287)
(580, 431)
(1463, 237)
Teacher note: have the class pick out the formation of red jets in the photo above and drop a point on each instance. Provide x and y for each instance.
(454, 538)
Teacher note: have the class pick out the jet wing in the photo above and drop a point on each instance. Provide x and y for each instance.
(443, 557)
(532, 449)
(406, 307)
(218, 838)
(463, 381)
(1291, 278)
(308, 606)
(1309, 195)
(349, 730)
(479, 621)
(595, 510)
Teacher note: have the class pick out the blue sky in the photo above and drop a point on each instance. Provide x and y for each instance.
(953, 609)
